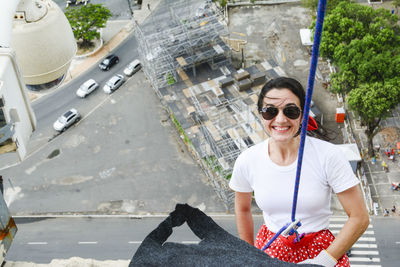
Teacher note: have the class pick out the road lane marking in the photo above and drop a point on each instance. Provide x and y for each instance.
(37, 243)
(134, 242)
(190, 242)
(365, 265)
(397, 242)
(87, 242)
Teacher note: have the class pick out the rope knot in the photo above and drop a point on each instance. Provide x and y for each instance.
(287, 230)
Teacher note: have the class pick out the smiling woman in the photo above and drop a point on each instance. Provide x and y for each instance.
(268, 170)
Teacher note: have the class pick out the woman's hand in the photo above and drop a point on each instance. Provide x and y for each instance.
(323, 259)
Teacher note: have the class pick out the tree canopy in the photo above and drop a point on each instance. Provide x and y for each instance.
(313, 4)
(373, 102)
(86, 21)
(364, 44)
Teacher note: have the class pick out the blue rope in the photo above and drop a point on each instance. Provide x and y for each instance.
(310, 87)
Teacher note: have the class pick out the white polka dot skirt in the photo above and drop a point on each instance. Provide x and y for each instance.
(286, 250)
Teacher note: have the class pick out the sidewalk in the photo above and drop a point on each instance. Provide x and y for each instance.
(379, 181)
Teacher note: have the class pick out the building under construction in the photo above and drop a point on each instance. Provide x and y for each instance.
(182, 41)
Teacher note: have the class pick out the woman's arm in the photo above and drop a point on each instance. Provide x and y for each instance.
(358, 221)
(244, 218)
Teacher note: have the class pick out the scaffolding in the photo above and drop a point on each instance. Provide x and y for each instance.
(225, 125)
(232, 127)
(183, 41)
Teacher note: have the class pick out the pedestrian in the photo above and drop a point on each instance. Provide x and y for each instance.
(268, 170)
(386, 212)
(387, 152)
(148, 6)
(377, 148)
(394, 208)
(385, 166)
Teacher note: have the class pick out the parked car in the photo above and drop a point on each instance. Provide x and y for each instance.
(67, 119)
(132, 68)
(108, 62)
(77, 2)
(86, 88)
(116, 81)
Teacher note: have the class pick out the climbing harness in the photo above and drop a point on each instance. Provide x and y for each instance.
(291, 228)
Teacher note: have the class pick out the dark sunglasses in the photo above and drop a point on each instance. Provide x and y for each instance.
(292, 112)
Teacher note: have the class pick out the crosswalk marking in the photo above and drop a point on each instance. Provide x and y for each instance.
(338, 219)
(365, 251)
(365, 233)
(340, 226)
(365, 246)
(370, 239)
(364, 259)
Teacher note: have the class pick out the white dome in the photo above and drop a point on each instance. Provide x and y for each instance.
(43, 41)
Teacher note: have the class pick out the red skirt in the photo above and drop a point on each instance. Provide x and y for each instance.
(309, 246)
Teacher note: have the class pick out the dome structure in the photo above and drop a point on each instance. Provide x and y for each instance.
(44, 43)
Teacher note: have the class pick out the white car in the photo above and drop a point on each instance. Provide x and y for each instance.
(67, 119)
(86, 88)
(132, 68)
(114, 83)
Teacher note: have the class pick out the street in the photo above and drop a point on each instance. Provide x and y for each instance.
(42, 239)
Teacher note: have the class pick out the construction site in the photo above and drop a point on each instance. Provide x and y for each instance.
(213, 105)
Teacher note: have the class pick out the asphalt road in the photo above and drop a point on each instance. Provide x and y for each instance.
(48, 108)
(123, 156)
(387, 232)
(102, 238)
(41, 240)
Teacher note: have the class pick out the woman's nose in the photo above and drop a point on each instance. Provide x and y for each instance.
(280, 116)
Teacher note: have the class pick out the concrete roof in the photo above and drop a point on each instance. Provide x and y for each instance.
(350, 151)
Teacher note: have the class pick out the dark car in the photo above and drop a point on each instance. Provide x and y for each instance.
(108, 62)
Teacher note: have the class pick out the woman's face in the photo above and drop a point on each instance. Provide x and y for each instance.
(281, 128)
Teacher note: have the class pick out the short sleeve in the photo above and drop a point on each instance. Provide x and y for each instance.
(339, 172)
(239, 181)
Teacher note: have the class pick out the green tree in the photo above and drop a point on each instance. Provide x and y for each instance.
(86, 21)
(396, 4)
(312, 5)
(364, 45)
(373, 102)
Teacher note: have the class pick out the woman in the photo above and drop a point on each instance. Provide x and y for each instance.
(269, 170)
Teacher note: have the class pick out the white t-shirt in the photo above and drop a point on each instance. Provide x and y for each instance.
(324, 167)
